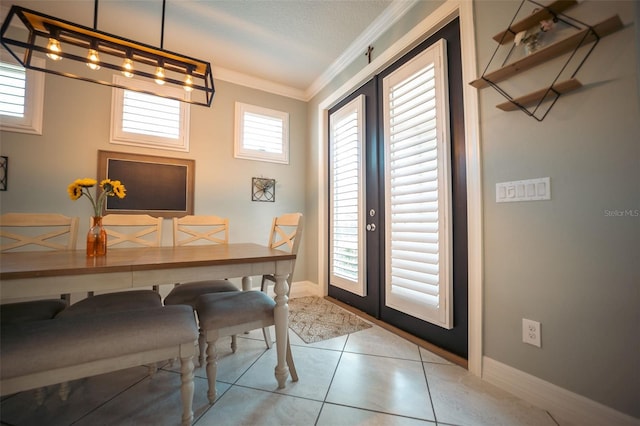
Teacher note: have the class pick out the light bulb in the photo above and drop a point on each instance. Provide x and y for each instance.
(160, 75)
(188, 83)
(93, 59)
(54, 47)
(127, 68)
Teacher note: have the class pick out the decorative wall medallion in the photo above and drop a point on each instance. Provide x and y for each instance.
(263, 189)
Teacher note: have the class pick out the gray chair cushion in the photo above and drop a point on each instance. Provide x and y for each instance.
(113, 302)
(218, 310)
(188, 293)
(61, 342)
(35, 310)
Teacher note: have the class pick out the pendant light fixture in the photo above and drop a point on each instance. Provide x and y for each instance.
(27, 34)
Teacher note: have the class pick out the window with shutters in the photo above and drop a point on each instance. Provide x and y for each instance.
(347, 257)
(418, 188)
(142, 119)
(261, 134)
(21, 98)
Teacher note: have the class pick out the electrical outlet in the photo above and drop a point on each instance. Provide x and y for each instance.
(531, 332)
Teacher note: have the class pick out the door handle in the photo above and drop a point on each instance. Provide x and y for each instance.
(371, 227)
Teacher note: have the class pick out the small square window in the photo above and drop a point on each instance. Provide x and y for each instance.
(262, 134)
(142, 119)
(21, 97)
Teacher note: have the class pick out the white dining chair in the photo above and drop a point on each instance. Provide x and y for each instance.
(37, 231)
(231, 313)
(199, 230)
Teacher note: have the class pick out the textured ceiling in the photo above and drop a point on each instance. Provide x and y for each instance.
(291, 43)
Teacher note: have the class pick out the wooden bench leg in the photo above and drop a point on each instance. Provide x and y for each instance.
(187, 389)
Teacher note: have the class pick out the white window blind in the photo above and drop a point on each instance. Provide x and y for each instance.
(417, 185)
(150, 115)
(143, 119)
(12, 90)
(261, 134)
(21, 97)
(346, 198)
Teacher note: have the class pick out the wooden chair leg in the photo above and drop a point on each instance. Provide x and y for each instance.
(187, 389)
(153, 369)
(267, 337)
(292, 366)
(64, 391)
(202, 343)
(212, 370)
(40, 396)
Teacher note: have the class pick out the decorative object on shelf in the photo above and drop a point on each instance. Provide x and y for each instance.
(533, 38)
(263, 189)
(26, 32)
(576, 47)
(4, 172)
(97, 236)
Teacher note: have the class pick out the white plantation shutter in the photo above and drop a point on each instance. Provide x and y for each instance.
(143, 119)
(346, 197)
(417, 187)
(151, 115)
(261, 134)
(12, 90)
(21, 97)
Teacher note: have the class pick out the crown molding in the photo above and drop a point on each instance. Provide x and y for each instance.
(396, 10)
(246, 80)
(390, 16)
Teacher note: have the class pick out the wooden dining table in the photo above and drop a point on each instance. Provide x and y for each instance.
(51, 273)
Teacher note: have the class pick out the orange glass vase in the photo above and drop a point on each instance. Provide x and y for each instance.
(97, 239)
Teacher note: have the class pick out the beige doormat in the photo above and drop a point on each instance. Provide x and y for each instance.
(315, 319)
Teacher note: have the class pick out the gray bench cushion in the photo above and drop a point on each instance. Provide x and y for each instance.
(218, 310)
(12, 313)
(37, 346)
(188, 293)
(113, 302)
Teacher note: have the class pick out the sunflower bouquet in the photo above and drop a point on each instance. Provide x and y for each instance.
(110, 188)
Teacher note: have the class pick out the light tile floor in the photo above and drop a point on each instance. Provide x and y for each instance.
(372, 377)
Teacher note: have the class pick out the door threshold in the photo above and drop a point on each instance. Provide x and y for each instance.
(451, 357)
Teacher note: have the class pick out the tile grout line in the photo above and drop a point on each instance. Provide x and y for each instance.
(117, 394)
(426, 379)
(324, 400)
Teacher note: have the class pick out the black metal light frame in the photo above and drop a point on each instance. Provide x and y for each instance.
(39, 28)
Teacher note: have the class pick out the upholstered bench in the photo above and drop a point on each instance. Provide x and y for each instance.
(34, 310)
(41, 353)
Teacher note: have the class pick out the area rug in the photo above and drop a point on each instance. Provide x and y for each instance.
(315, 319)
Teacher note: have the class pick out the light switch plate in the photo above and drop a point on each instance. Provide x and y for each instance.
(524, 190)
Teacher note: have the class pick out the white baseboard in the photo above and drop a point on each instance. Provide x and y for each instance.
(564, 406)
(304, 289)
(300, 289)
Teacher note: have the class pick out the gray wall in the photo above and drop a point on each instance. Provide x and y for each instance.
(76, 125)
(568, 263)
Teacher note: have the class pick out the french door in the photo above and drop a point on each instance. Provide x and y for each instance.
(397, 209)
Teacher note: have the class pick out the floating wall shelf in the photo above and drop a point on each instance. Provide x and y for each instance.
(538, 103)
